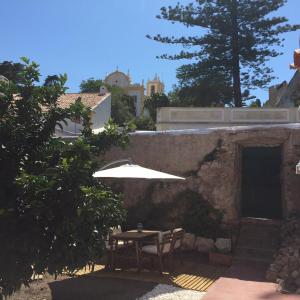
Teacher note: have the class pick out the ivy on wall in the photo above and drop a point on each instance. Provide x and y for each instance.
(188, 209)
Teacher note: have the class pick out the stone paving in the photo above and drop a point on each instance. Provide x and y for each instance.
(246, 281)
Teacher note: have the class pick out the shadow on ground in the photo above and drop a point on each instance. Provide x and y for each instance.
(248, 271)
(94, 289)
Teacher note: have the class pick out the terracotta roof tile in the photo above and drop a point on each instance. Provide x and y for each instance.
(88, 99)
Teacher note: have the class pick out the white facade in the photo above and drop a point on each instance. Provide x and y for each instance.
(100, 115)
(123, 81)
(138, 101)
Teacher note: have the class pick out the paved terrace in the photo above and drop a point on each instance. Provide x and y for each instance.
(246, 281)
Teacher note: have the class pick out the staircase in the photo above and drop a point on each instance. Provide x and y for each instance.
(258, 240)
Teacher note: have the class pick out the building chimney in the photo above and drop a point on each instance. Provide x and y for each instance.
(296, 64)
(103, 90)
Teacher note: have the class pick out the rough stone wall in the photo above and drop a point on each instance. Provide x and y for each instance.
(210, 160)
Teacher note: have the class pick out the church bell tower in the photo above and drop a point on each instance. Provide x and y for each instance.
(155, 86)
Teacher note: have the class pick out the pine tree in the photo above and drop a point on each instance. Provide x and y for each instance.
(239, 39)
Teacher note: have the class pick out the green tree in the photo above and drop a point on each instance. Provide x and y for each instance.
(51, 80)
(255, 104)
(54, 216)
(11, 70)
(238, 38)
(155, 101)
(208, 92)
(122, 105)
(91, 85)
(143, 123)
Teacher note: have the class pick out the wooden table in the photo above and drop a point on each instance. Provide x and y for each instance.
(134, 236)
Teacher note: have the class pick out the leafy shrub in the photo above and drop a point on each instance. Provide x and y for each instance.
(200, 217)
(143, 123)
(188, 210)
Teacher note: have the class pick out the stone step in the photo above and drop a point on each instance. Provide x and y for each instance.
(258, 240)
(260, 222)
(258, 243)
(258, 232)
(266, 254)
(247, 258)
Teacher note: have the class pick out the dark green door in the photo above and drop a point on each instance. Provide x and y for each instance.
(261, 186)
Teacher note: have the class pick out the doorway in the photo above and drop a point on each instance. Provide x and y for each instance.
(261, 184)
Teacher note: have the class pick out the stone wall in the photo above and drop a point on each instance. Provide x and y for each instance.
(174, 118)
(210, 160)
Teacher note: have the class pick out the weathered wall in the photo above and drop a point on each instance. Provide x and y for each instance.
(211, 162)
(173, 118)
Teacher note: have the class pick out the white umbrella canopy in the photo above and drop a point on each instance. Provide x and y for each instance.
(134, 171)
(298, 168)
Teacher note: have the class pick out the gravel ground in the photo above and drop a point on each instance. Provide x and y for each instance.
(168, 292)
(92, 288)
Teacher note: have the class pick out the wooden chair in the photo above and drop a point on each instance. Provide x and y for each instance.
(178, 234)
(108, 242)
(169, 243)
(112, 246)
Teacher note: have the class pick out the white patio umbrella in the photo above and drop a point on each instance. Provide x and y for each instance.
(298, 168)
(130, 170)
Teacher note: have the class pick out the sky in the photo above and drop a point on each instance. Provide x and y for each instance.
(91, 38)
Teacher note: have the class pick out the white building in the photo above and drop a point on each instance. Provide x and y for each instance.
(135, 90)
(100, 105)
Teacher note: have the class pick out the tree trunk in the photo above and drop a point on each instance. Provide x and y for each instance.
(236, 75)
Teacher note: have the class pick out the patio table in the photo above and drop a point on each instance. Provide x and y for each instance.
(134, 236)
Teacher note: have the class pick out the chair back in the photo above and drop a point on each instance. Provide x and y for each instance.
(165, 244)
(177, 237)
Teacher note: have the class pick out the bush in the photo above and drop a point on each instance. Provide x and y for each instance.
(144, 123)
(188, 210)
(200, 217)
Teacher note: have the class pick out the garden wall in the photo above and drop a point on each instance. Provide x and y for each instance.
(210, 160)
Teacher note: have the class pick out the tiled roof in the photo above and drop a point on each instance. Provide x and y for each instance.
(88, 99)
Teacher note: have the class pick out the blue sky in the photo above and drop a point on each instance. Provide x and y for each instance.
(89, 38)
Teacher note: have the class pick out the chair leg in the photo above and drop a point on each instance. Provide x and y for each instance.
(152, 262)
(171, 262)
(112, 261)
(160, 260)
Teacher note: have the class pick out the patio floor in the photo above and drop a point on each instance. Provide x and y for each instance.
(246, 281)
(198, 278)
(239, 282)
(194, 275)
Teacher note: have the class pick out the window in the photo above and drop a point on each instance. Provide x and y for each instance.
(152, 90)
(135, 103)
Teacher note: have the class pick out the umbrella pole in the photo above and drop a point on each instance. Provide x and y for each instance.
(120, 161)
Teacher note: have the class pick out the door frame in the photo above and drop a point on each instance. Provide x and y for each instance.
(255, 143)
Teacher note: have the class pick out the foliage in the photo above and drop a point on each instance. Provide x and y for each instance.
(188, 209)
(54, 216)
(255, 104)
(155, 101)
(143, 123)
(91, 85)
(208, 93)
(122, 106)
(231, 54)
(11, 70)
(200, 217)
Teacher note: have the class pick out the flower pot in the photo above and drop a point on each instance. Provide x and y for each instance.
(217, 258)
